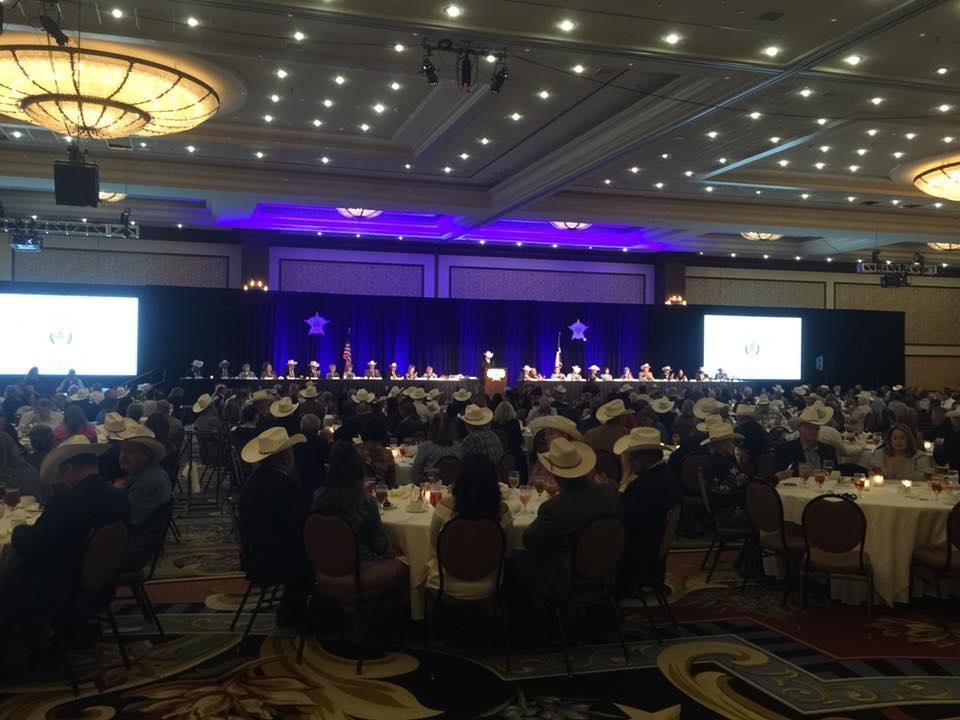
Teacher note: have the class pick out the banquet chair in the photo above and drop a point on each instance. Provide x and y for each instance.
(214, 458)
(776, 435)
(771, 536)
(505, 465)
(941, 563)
(691, 497)
(448, 468)
(649, 577)
(156, 527)
(835, 529)
(594, 560)
(254, 578)
(609, 465)
(334, 555)
(468, 551)
(723, 535)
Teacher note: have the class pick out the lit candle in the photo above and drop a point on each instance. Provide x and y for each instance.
(426, 497)
(928, 446)
(866, 483)
(877, 481)
(905, 486)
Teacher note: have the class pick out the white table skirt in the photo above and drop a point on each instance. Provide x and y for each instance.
(896, 525)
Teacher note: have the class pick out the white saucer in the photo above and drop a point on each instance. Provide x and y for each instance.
(416, 508)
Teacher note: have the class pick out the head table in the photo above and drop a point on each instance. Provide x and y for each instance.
(896, 525)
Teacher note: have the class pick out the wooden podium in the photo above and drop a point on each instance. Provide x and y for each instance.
(495, 381)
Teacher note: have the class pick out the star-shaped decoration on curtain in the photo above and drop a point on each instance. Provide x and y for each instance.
(317, 324)
(578, 329)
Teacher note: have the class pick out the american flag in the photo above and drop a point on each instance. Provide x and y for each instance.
(556, 359)
(347, 357)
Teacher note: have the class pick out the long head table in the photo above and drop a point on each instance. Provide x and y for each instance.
(194, 388)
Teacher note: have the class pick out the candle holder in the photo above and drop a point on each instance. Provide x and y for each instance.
(905, 487)
(876, 481)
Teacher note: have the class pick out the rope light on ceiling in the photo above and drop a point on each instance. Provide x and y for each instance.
(760, 236)
(99, 94)
(359, 213)
(570, 225)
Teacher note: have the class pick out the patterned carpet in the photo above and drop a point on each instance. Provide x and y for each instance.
(731, 656)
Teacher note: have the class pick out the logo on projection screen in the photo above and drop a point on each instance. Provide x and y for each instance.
(751, 348)
(61, 336)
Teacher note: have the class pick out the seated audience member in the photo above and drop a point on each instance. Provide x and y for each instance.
(646, 417)
(900, 456)
(377, 459)
(15, 472)
(48, 553)
(543, 567)
(175, 434)
(648, 492)
(545, 431)
(108, 405)
(147, 487)
(246, 372)
(754, 442)
(344, 495)
(686, 421)
(159, 425)
(74, 423)
(429, 373)
(286, 414)
(475, 496)
(611, 416)
(543, 408)
(311, 456)
(135, 411)
(858, 416)
(272, 511)
(41, 442)
(310, 403)
(480, 438)
(43, 415)
(206, 421)
(410, 425)
(723, 478)
(441, 442)
(807, 448)
(505, 421)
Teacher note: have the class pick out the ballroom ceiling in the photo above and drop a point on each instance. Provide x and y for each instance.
(669, 126)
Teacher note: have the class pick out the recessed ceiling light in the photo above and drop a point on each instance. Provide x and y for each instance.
(824, 148)
(567, 25)
(898, 155)
(819, 165)
(328, 102)
(948, 139)
(407, 166)
(117, 13)
(771, 51)
(447, 169)
(659, 186)
(871, 132)
(876, 100)
(191, 148)
(491, 58)
(862, 151)
(483, 242)
(554, 246)
(298, 36)
(268, 118)
(319, 233)
(688, 173)
(775, 139)
(143, 144)
(722, 161)
(854, 168)
(607, 181)
(634, 169)
(894, 202)
(938, 205)
(544, 95)
(516, 116)
(829, 260)
(942, 70)
(394, 86)
(758, 192)
(317, 122)
(518, 244)
(783, 163)
(733, 254)
(259, 154)
(357, 235)
(945, 108)
(83, 219)
(665, 156)
(709, 188)
(578, 69)
(853, 60)
(364, 127)
(671, 39)
(464, 156)
(325, 160)
(17, 134)
(766, 257)
(281, 73)
(275, 98)
(192, 21)
(712, 134)
(756, 115)
(484, 141)
(379, 108)
(851, 198)
(623, 249)
(910, 135)
(821, 121)
(805, 196)
(180, 226)
(453, 11)
(796, 257)
(399, 47)
(806, 92)
(339, 79)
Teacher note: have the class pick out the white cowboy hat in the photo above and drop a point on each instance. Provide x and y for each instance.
(662, 405)
(80, 394)
(897, 388)
(69, 448)
(745, 410)
(120, 392)
(527, 368)
(372, 363)
(261, 395)
(433, 394)
(291, 361)
(310, 391)
(666, 367)
(559, 390)
(394, 391)
(137, 433)
(640, 438)
(709, 422)
(268, 443)
(555, 422)
(417, 393)
(707, 406)
(645, 366)
(433, 407)
(569, 459)
(763, 399)
(461, 395)
(113, 423)
(488, 354)
(625, 388)
(800, 390)
(223, 363)
(283, 407)
(197, 363)
(719, 433)
(777, 388)
(613, 409)
(595, 368)
(393, 364)
(314, 364)
(816, 414)
(576, 369)
(476, 415)
(363, 396)
(202, 403)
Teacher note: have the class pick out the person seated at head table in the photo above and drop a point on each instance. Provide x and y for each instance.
(411, 373)
(441, 442)
(558, 373)
(246, 373)
(291, 373)
(701, 375)
(394, 375)
(721, 375)
(574, 373)
(429, 373)
(627, 374)
(268, 373)
(593, 372)
(666, 373)
(371, 371)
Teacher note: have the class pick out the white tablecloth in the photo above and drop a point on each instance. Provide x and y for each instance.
(409, 535)
(896, 525)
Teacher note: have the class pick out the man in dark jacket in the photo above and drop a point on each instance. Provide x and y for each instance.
(807, 448)
(754, 442)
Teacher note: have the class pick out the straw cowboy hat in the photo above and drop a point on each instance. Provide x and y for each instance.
(137, 433)
(461, 395)
(314, 364)
(800, 390)
(197, 364)
(640, 438)
(310, 391)
(69, 448)
(721, 432)
(816, 414)
(202, 403)
(569, 459)
(363, 396)
(625, 388)
(645, 366)
(662, 405)
(709, 422)
(488, 355)
(666, 367)
(433, 407)
(268, 443)
(897, 388)
(223, 363)
(527, 368)
(291, 361)
(744, 410)
(764, 399)
(120, 392)
(416, 393)
(261, 395)
(707, 406)
(555, 422)
(79, 394)
(595, 368)
(433, 394)
(476, 415)
(559, 390)
(114, 423)
(613, 409)
(283, 407)
(394, 392)
(777, 388)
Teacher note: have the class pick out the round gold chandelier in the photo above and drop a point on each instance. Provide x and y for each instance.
(112, 197)
(760, 236)
(943, 246)
(940, 180)
(99, 94)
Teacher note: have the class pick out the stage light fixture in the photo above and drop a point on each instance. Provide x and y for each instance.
(500, 76)
(429, 71)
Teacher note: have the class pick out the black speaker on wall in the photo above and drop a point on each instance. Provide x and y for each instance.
(76, 183)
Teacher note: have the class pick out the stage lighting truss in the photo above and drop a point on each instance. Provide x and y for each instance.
(68, 228)
(466, 65)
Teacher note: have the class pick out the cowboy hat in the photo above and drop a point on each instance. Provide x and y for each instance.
(197, 363)
(666, 367)
(662, 405)
(559, 390)
(555, 422)
(120, 392)
(461, 395)
(719, 433)
(69, 448)
(569, 459)
(283, 407)
(763, 399)
(527, 368)
(476, 415)
(80, 394)
(372, 363)
(393, 364)
(137, 433)
(314, 364)
(777, 388)
(613, 409)
(488, 354)
(645, 366)
(897, 388)
(433, 394)
(595, 368)
(223, 363)
(576, 369)
(363, 396)
(709, 422)
(707, 406)
(394, 391)
(416, 393)
(816, 414)
(202, 403)
(291, 361)
(640, 438)
(310, 391)
(433, 407)
(114, 423)
(268, 443)
(262, 395)
(745, 410)
(800, 390)
(625, 388)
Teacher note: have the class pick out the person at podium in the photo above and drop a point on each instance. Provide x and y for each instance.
(486, 363)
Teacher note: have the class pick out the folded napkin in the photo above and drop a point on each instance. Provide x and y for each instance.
(403, 492)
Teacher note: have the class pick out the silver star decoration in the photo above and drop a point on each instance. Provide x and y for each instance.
(578, 329)
(317, 324)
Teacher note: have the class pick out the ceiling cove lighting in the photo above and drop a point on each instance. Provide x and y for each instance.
(359, 213)
(570, 225)
(757, 236)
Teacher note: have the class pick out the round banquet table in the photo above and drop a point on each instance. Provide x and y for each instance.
(896, 525)
(409, 535)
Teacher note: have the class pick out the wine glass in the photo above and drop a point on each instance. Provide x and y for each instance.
(381, 493)
(819, 478)
(538, 485)
(551, 487)
(12, 497)
(828, 466)
(436, 493)
(804, 470)
(369, 486)
(858, 482)
(513, 480)
(526, 492)
(936, 484)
